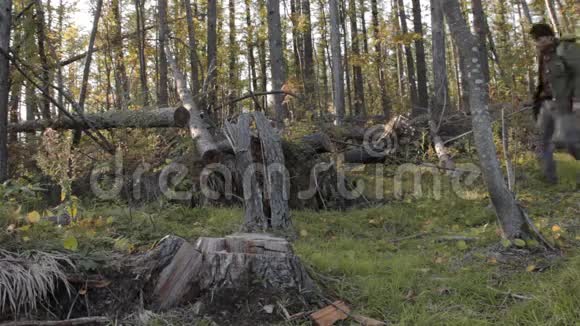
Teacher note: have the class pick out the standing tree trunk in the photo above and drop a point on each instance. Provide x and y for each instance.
(440, 99)
(121, 80)
(211, 57)
(479, 22)
(87, 67)
(233, 55)
(5, 21)
(60, 77)
(409, 58)
(310, 85)
(346, 71)
(163, 96)
(511, 217)
(323, 54)
(250, 39)
(192, 48)
(337, 68)
(296, 38)
(553, 14)
(139, 11)
(385, 102)
(262, 37)
(423, 97)
(359, 91)
(45, 74)
(13, 106)
(526, 10)
(276, 59)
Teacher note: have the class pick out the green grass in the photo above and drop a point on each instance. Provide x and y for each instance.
(387, 261)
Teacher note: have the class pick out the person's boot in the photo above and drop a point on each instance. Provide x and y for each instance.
(549, 165)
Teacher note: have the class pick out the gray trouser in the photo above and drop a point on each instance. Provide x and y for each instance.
(558, 130)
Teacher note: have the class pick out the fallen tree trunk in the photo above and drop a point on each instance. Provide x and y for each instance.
(363, 156)
(68, 322)
(320, 142)
(445, 159)
(206, 145)
(155, 118)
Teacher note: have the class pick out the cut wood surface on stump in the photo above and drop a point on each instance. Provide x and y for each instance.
(239, 261)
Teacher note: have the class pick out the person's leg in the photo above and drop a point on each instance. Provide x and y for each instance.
(567, 131)
(547, 125)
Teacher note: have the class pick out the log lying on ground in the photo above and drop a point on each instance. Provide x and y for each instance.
(145, 118)
(68, 322)
(320, 141)
(181, 272)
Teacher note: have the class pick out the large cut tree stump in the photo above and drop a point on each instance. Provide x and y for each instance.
(239, 262)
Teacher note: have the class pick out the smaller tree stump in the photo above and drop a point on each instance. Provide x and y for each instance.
(237, 262)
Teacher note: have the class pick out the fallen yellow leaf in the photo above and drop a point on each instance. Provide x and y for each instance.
(33, 217)
(531, 268)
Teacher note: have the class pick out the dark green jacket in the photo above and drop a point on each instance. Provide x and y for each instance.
(564, 73)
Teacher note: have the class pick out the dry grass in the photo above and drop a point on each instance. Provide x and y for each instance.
(29, 277)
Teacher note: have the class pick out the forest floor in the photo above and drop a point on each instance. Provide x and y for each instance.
(411, 261)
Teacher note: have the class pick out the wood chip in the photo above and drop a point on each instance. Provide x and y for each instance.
(329, 315)
(366, 321)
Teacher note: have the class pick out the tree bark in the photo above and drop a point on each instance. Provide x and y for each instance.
(347, 78)
(5, 22)
(145, 118)
(179, 271)
(359, 92)
(510, 216)
(45, 73)
(250, 42)
(121, 80)
(337, 68)
(423, 100)
(14, 105)
(323, 54)
(163, 95)
(233, 55)
(310, 85)
(276, 180)
(87, 67)
(263, 16)
(140, 35)
(277, 65)
(526, 10)
(200, 134)
(297, 43)
(240, 139)
(553, 14)
(379, 57)
(60, 77)
(479, 22)
(440, 97)
(193, 61)
(409, 58)
(211, 57)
